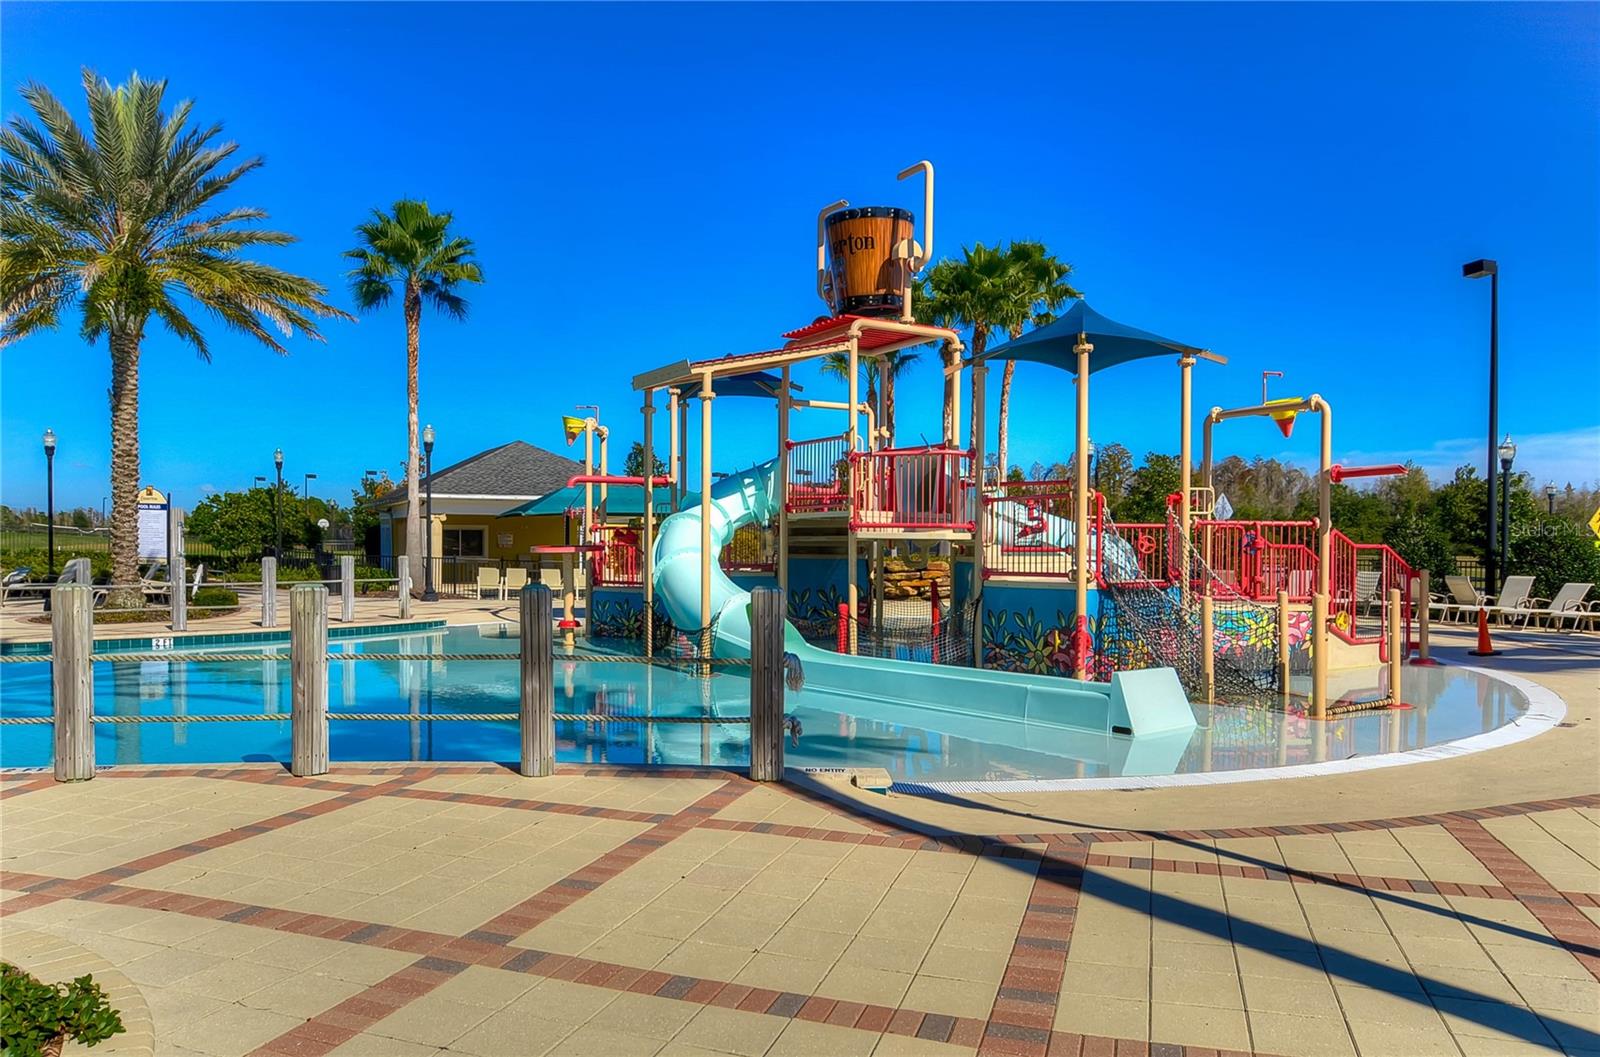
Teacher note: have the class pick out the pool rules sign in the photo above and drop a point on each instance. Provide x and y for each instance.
(152, 524)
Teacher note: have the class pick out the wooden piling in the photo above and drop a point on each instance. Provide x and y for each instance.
(72, 680)
(538, 700)
(403, 572)
(766, 685)
(178, 596)
(269, 592)
(308, 666)
(347, 588)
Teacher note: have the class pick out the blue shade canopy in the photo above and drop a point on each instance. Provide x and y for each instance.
(761, 384)
(622, 500)
(1114, 343)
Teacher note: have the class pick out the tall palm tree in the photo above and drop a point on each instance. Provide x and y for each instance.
(1037, 285)
(974, 293)
(881, 370)
(119, 219)
(413, 248)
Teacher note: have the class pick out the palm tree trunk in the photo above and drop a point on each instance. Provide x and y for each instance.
(1001, 446)
(125, 467)
(888, 406)
(414, 548)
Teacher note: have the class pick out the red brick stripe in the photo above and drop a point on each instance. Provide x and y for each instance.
(1024, 1011)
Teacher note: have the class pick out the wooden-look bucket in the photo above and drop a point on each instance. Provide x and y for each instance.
(866, 278)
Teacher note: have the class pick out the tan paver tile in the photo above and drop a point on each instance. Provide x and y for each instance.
(656, 1018)
(369, 1045)
(431, 1020)
(1369, 1005)
(895, 955)
(1199, 1026)
(732, 1031)
(804, 1038)
(1396, 1040)
(1530, 959)
(791, 941)
(1555, 994)
(303, 994)
(1492, 1020)
(1114, 980)
(963, 963)
(1196, 988)
(232, 1030)
(782, 973)
(168, 965)
(1302, 1036)
(907, 1046)
(710, 960)
(590, 1041)
(232, 981)
(1122, 1018)
(1200, 957)
(479, 986)
(1301, 996)
(879, 986)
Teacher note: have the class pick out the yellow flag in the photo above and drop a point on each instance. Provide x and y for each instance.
(573, 427)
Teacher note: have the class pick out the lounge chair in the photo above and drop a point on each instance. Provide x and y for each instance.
(15, 582)
(1368, 582)
(1513, 599)
(516, 580)
(488, 580)
(1464, 598)
(1568, 604)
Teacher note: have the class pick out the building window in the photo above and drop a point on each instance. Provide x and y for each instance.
(464, 543)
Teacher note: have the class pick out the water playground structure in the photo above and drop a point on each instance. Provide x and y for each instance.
(1148, 616)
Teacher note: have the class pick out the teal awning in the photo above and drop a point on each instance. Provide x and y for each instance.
(1114, 343)
(622, 500)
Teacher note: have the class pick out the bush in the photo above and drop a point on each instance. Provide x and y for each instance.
(215, 596)
(39, 562)
(1554, 552)
(1423, 545)
(34, 1014)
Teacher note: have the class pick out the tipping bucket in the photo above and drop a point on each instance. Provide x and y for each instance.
(867, 279)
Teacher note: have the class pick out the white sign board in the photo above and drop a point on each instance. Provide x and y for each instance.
(152, 524)
(1223, 510)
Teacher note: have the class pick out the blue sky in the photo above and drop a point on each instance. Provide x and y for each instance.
(1293, 186)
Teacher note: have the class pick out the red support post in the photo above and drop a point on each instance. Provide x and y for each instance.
(844, 627)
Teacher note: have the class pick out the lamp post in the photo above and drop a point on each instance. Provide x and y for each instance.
(1550, 498)
(305, 485)
(1508, 455)
(1477, 270)
(428, 594)
(50, 496)
(277, 505)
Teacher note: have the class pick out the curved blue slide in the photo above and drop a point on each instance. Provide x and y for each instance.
(974, 703)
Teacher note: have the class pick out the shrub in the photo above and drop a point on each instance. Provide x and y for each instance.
(1554, 552)
(215, 596)
(33, 1015)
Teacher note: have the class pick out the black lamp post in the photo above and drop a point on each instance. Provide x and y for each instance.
(1477, 270)
(428, 594)
(1508, 455)
(1550, 498)
(50, 496)
(305, 485)
(277, 505)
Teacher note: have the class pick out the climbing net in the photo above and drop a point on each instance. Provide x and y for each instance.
(912, 633)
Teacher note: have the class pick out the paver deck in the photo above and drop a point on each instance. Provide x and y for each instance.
(1449, 908)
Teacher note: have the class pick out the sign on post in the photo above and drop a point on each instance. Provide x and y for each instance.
(152, 524)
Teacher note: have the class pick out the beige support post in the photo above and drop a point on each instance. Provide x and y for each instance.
(588, 486)
(1424, 617)
(569, 601)
(1319, 656)
(766, 685)
(851, 559)
(1397, 647)
(72, 680)
(980, 456)
(1283, 645)
(1208, 651)
(347, 588)
(178, 595)
(1319, 615)
(784, 400)
(706, 557)
(402, 569)
(674, 448)
(269, 592)
(648, 558)
(308, 666)
(852, 576)
(605, 471)
(683, 460)
(537, 668)
(1080, 519)
(1185, 471)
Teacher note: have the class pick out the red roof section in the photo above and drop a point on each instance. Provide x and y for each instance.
(833, 328)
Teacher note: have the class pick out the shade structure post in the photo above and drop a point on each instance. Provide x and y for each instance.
(1283, 644)
(980, 456)
(675, 447)
(1185, 466)
(269, 592)
(1319, 656)
(1080, 519)
(784, 404)
(72, 680)
(1424, 617)
(706, 555)
(647, 562)
(1208, 651)
(766, 684)
(347, 587)
(1396, 631)
(308, 666)
(178, 595)
(537, 669)
(403, 582)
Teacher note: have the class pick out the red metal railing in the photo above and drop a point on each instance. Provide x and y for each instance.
(619, 561)
(1360, 577)
(1021, 534)
(1257, 558)
(819, 475)
(912, 488)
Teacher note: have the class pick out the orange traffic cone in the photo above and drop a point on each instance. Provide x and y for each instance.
(1485, 647)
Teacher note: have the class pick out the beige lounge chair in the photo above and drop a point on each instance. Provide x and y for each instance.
(1464, 599)
(488, 580)
(1513, 599)
(516, 580)
(1568, 604)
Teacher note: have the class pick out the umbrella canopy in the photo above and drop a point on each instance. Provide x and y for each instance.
(622, 500)
(761, 384)
(1114, 343)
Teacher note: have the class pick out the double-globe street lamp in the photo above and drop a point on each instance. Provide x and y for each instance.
(50, 496)
(1508, 455)
(277, 504)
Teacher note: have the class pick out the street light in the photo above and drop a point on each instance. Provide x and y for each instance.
(428, 594)
(305, 485)
(1508, 455)
(50, 495)
(277, 503)
(1477, 270)
(1550, 497)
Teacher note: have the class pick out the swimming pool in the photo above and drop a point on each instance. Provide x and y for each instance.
(914, 745)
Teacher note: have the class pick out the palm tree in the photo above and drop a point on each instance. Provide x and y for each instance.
(976, 293)
(883, 370)
(118, 219)
(1038, 286)
(412, 247)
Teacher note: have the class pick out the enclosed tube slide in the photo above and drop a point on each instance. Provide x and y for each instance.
(996, 706)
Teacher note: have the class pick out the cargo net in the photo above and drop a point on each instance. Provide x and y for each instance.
(1145, 624)
(907, 631)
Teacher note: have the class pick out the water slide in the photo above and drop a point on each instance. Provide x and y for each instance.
(1015, 528)
(1012, 708)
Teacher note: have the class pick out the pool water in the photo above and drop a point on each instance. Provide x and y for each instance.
(911, 744)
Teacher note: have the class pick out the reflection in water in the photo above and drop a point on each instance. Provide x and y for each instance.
(912, 743)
